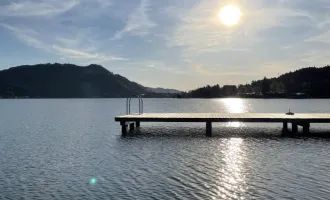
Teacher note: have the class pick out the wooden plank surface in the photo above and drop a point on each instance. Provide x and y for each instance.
(226, 117)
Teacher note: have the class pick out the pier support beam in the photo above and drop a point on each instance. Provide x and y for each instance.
(131, 126)
(285, 127)
(209, 129)
(137, 124)
(306, 127)
(123, 128)
(294, 127)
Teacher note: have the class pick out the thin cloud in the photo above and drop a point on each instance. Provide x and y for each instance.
(215, 72)
(158, 66)
(29, 8)
(78, 54)
(323, 37)
(29, 37)
(104, 3)
(138, 23)
(68, 41)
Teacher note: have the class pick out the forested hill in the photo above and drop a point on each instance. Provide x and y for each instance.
(163, 90)
(65, 81)
(315, 82)
(310, 82)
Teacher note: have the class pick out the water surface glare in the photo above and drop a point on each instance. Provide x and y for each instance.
(73, 149)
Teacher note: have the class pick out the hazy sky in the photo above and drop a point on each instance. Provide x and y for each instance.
(174, 43)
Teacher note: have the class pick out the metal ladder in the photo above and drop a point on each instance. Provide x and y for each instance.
(128, 104)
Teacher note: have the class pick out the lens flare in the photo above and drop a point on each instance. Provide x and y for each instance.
(92, 181)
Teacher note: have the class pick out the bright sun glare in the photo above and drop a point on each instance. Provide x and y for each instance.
(230, 15)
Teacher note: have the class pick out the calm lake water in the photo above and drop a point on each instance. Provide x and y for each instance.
(73, 149)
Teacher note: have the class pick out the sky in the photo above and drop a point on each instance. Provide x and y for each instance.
(171, 44)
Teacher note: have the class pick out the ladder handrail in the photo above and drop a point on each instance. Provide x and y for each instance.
(128, 105)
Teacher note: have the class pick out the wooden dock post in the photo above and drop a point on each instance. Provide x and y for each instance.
(123, 128)
(294, 127)
(137, 124)
(306, 127)
(131, 126)
(285, 127)
(209, 129)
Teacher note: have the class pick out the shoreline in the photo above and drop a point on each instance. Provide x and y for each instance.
(163, 98)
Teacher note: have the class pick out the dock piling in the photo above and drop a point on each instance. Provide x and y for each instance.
(137, 124)
(123, 128)
(294, 127)
(285, 127)
(131, 126)
(209, 129)
(306, 127)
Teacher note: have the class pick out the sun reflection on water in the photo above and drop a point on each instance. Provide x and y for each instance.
(232, 177)
(234, 105)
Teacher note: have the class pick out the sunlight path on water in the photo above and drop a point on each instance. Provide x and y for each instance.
(73, 149)
(235, 105)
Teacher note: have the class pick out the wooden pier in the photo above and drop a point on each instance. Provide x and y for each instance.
(299, 119)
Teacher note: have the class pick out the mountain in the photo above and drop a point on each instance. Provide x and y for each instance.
(65, 81)
(163, 90)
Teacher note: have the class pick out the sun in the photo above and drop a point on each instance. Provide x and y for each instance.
(230, 15)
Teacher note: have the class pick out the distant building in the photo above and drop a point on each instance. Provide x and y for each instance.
(299, 95)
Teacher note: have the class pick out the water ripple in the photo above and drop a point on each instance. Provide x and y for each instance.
(51, 149)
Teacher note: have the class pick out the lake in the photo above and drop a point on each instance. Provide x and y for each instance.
(73, 149)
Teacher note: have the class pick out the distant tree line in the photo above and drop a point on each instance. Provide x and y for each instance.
(309, 82)
(211, 92)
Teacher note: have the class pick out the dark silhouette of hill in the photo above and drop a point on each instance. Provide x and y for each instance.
(211, 92)
(94, 81)
(306, 82)
(163, 90)
(312, 81)
(65, 81)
